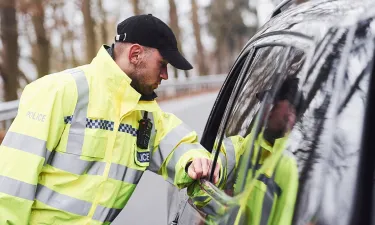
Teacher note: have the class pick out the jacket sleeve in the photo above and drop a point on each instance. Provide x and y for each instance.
(34, 132)
(230, 150)
(175, 146)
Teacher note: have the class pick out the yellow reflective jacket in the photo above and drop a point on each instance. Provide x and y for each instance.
(70, 156)
(269, 196)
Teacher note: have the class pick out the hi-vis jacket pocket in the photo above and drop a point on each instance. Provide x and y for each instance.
(91, 143)
(142, 157)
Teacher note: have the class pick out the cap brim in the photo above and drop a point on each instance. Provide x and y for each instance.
(175, 58)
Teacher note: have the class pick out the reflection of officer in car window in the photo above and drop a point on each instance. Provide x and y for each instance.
(282, 116)
(272, 180)
(275, 175)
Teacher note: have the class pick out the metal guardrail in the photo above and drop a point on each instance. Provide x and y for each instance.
(8, 111)
(174, 88)
(168, 89)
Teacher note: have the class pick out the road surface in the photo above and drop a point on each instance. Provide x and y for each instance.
(148, 204)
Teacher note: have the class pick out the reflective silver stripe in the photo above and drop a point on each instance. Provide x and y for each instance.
(104, 214)
(224, 162)
(223, 159)
(266, 206)
(177, 154)
(167, 144)
(74, 164)
(125, 174)
(62, 202)
(156, 162)
(25, 143)
(231, 160)
(78, 124)
(17, 188)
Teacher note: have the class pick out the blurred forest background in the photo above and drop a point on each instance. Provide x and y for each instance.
(39, 37)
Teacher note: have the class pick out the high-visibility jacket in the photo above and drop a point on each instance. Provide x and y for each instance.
(71, 157)
(269, 196)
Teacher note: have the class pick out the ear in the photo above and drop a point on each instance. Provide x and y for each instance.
(135, 53)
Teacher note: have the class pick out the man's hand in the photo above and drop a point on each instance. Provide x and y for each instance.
(201, 167)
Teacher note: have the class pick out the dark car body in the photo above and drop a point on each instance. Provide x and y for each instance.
(329, 46)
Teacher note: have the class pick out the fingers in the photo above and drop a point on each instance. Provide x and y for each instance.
(201, 168)
(216, 173)
(205, 163)
(195, 169)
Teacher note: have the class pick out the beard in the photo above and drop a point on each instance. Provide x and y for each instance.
(272, 134)
(138, 81)
(278, 130)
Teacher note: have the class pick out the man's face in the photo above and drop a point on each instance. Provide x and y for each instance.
(281, 119)
(150, 72)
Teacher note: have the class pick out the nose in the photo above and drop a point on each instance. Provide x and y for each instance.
(164, 73)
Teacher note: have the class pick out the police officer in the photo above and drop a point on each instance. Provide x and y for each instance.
(83, 137)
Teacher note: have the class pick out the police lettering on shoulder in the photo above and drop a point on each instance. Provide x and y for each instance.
(36, 116)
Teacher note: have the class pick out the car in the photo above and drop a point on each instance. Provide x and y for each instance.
(325, 51)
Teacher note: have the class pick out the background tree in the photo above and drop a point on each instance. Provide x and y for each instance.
(173, 23)
(41, 47)
(103, 22)
(229, 30)
(9, 53)
(64, 53)
(89, 24)
(200, 56)
(136, 7)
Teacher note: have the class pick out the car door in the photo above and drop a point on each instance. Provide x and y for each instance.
(268, 62)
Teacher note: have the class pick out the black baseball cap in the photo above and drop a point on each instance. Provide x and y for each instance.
(149, 31)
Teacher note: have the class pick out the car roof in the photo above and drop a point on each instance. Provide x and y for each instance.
(314, 18)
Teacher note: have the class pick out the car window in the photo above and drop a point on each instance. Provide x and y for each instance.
(266, 99)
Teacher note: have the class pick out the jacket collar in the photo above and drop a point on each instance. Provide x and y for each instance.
(278, 145)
